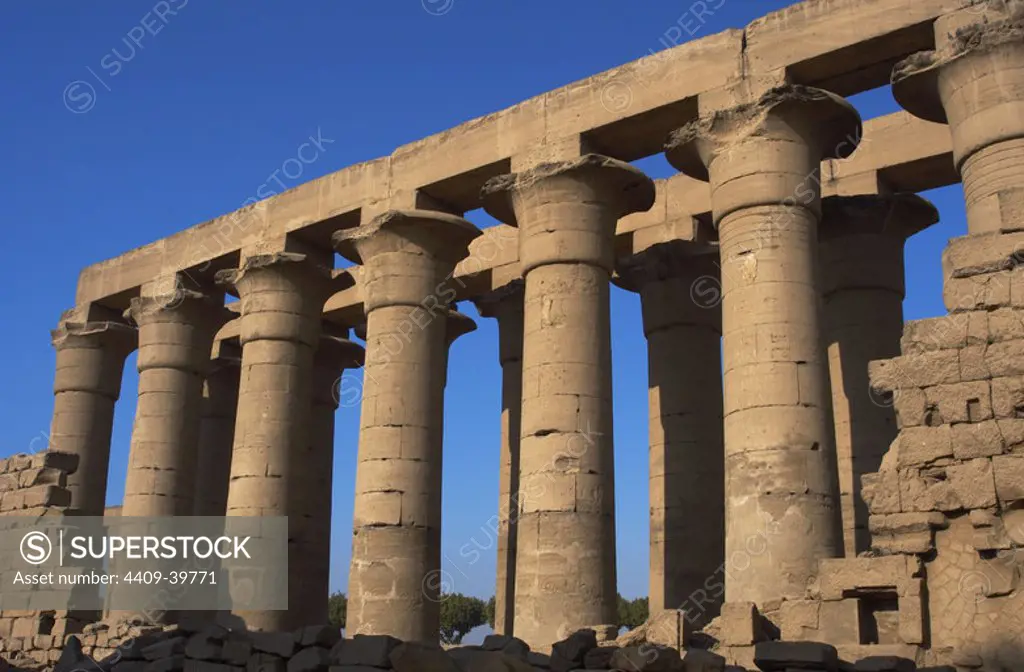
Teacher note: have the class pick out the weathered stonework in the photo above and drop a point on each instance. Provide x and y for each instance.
(881, 517)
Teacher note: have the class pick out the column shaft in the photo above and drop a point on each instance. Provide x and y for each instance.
(506, 304)
(680, 294)
(395, 577)
(282, 297)
(175, 337)
(763, 162)
(313, 520)
(566, 213)
(863, 286)
(87, 384)
(216, 434)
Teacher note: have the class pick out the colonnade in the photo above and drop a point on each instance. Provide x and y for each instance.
(761, 417)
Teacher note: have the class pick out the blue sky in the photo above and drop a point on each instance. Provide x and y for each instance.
(187, 122)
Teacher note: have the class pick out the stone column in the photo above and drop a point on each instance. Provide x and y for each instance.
(680, 294)
(974, 81)
(176, 330)
(456, 326)
(217, 430)
(566, 213)
(311, 524)
(87, 384)
(282, 298)
(407, 257)
(861, 247)
(763, 161)
(506, 305)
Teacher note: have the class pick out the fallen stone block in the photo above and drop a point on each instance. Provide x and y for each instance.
(569, 653)
(646, 658)
(409, 657)
(311, 659)
(783, 656)
(372, 650)
(278, 643)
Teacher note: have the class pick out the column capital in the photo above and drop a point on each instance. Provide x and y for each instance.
(278, 287)
(498, 301)
(679, 283)
(974, 78)
(226, 354)
(120, 337)
(406, 255)
(567, 211)
(284, 271)
(337, 353)
(173, 320)
(769, 151)
(456, 325)
(505, 304)
(861, 240)
(898, 215)
(622, 187)
(91, 353)
(170, 300)
(334, 355)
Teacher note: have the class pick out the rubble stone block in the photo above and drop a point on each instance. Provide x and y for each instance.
(911, 617)
(839, 621)
(961, 402)
(1005, 358)
(739, 624)
(945, 332)
(983, 254)
(881, 492)
(372, 650)
(1009, 477)
(973, 483)
(310, 659)
(782, 656)
(798, 619)
(923, 445)
(840, 577)
(976, 440)
(408, 657)
(646, 658)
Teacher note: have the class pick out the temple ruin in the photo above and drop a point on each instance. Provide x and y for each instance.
(820, 471)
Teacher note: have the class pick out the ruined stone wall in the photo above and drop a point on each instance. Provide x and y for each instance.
(35, 486)
(940, 585)
(951, 488)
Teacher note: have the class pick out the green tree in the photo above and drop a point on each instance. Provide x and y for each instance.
(632, 613)
(460, 614)
(490, 609)
(337, 605)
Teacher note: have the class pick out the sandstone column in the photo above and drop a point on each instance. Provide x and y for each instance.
(456, 325)
(763, 161)
(91, 352)
(311, 524)
(282, 298)
(566, 213)
(406, 257)
(217, 430)
(506, 305)
(861, 247)
(974, 81)
(680, 294)
(176, 330)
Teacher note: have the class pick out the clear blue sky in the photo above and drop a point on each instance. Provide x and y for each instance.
(189, 124)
